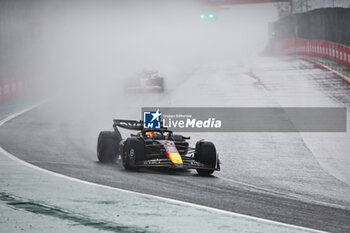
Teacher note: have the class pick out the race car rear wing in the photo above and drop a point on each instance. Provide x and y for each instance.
(131, 125)
(127, 124)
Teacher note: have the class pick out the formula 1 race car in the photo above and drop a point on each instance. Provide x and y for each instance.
(146, 81)
(155, 148)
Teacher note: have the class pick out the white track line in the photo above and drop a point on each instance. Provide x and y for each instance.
(13, 157)
(10, 117)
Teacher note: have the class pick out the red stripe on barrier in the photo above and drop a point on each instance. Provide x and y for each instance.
(12, 88)
(6, 89)
(347, 57)
(322, 49)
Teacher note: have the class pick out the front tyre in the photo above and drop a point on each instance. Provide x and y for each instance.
(206, 154)
(107, 146)
(204, 172)
(133, 151)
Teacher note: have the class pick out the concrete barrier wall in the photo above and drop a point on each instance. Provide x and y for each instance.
(318, 48)
(11, 88)
(329, 55)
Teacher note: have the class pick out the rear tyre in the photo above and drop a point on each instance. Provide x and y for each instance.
(206, 154)
(107, 146)
(133, 151)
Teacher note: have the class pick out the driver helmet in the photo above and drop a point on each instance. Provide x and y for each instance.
(151, 134)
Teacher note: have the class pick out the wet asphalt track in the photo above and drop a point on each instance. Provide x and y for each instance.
(271, 176)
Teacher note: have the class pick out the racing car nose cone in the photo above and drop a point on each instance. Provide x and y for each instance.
(175, 158)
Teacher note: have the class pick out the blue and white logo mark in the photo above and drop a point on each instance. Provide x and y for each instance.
(151, 120)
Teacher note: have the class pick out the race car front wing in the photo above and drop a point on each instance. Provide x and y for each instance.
(188, 163)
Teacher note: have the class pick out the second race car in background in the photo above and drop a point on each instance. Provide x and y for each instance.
(146, 81)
